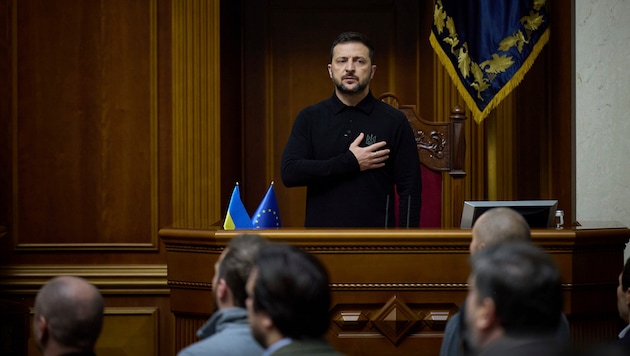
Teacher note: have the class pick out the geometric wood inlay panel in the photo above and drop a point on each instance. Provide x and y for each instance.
(395, 320)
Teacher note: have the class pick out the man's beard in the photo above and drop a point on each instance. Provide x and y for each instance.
(358, 89)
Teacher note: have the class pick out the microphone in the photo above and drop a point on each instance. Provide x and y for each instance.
(408, 209)
(386, 210)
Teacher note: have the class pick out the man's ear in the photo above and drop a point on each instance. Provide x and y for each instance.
(266, 321)
(373, 71)
(222, 289)
(40, 330)
(330, 71)
(486, 316)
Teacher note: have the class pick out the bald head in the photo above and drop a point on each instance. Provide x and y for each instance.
(499, 225)
(68, 314)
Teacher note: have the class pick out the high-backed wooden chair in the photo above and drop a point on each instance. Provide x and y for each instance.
(442, 148)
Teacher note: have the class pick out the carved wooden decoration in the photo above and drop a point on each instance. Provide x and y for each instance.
(395, 320)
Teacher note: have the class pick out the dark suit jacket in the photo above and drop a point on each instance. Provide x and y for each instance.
(454, 343)
(621, 346)
(625, 340)
(307, 347)
(524, 346)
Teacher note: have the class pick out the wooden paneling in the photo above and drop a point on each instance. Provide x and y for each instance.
(187, 327)
(232, 121)
(85, 151)
(6, 127)
(129, 331)
(85, 107)
(560, 83)
(196, 113)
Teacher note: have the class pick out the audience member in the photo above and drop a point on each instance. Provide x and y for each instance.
(514, 299)
(623, 305)
(495, 226)
(621, 346)
(288, 302)
(499, 225)
(68, 317)
(227, 332)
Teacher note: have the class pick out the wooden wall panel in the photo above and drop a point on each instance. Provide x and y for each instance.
(196, 113)
(5, 124)
(85, 152)
(85, 125)
(186, 330)
(559, 79)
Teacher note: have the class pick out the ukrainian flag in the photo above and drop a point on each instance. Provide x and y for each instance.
(487, 46)
(237, 217)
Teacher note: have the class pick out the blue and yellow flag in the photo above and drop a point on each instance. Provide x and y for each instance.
(267, 215)
(487, 46)
(236, 217)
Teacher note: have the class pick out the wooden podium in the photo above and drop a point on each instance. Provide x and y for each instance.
(393, 290)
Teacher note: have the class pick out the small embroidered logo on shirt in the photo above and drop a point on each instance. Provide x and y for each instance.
(370, 139)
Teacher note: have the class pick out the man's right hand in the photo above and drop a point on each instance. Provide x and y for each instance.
(369, 157)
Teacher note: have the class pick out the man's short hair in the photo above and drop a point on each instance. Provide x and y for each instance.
(292, 287)
(502, 224)
(238, 262)
(73, 319)
(346, 37)
(524, 283)
(625, 275)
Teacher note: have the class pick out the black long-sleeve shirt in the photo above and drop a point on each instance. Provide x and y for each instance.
(338, 194)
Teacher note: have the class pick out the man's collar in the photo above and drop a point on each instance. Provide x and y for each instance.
(366, 105)
(277, 345)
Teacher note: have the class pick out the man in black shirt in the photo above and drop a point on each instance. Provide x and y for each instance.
(352, 151)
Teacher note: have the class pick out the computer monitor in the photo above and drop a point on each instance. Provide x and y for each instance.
(538, 213)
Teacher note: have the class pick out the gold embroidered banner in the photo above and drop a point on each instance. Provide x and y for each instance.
(487, 46)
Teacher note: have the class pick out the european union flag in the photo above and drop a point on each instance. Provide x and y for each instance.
(236, 217)
(267, 215)
(487, 46)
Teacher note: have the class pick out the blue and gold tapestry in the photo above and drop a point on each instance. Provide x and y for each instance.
(487, 46)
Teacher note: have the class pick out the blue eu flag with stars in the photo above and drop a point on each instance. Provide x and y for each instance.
(267, 215)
